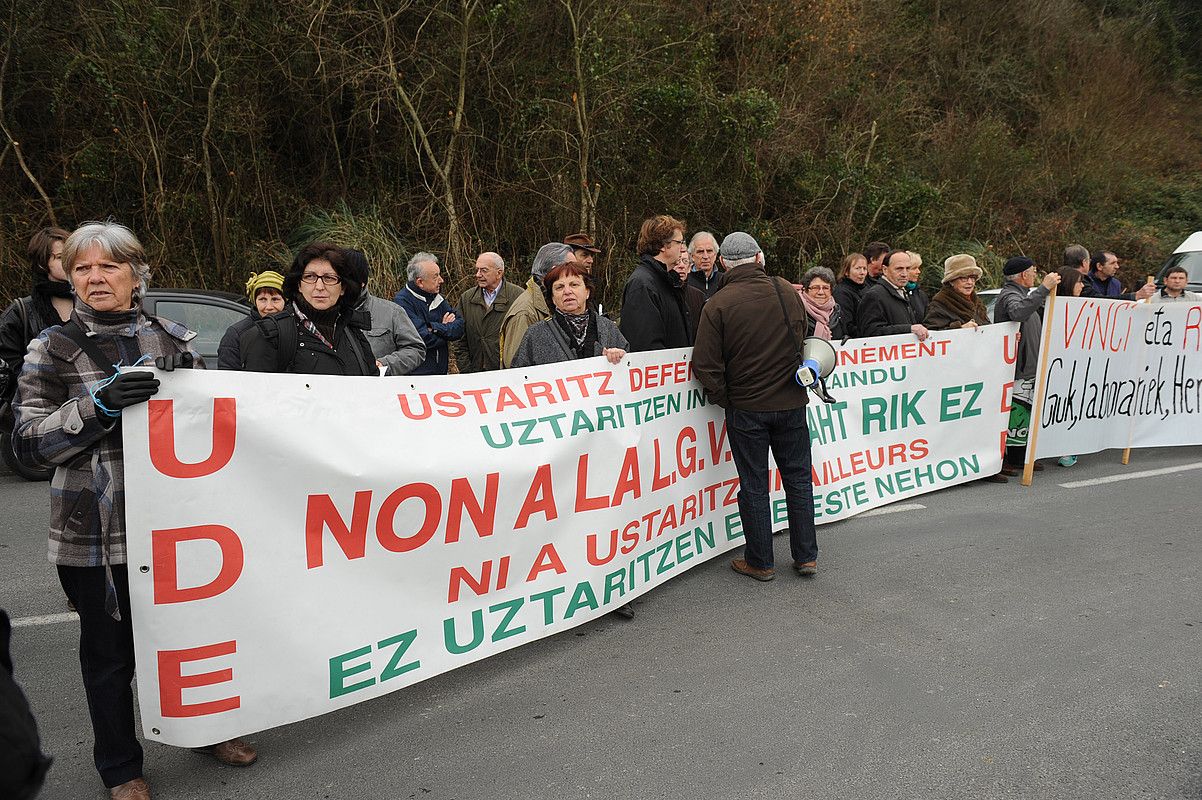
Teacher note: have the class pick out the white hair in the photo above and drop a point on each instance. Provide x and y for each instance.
(116, 242)
(414, 267)
(706, 234)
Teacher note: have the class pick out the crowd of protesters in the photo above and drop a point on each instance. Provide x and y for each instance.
(63, 345)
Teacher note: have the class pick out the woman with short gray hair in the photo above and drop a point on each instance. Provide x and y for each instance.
(69, 402)
(824, 317)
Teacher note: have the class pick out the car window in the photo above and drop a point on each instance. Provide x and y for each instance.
(1192, 261)
(209, 321)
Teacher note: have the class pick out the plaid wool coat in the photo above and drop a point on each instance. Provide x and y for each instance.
(57, 425)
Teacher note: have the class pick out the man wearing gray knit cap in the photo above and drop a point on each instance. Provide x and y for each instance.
(530, 307)
(746, 356)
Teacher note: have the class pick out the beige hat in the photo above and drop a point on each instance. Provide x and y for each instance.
(960, 266)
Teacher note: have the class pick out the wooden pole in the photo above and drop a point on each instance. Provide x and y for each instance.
(1127, 452)
(1041, 381)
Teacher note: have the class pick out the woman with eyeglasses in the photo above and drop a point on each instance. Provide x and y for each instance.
(956, 304)
(319, 332)
(824, 317)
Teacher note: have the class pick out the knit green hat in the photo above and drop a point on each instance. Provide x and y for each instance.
(264, 280)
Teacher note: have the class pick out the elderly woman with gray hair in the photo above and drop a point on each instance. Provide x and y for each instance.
(70, 396)
(824, 317)
(530, 307)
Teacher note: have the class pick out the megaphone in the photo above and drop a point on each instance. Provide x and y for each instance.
(817, 362)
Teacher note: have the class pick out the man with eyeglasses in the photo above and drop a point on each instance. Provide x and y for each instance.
(436, 321)
(484, 308)
(655, 313)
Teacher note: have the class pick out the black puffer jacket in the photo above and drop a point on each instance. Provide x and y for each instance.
(655, 314)
(20, 324)
(847, 294)
(351, 354)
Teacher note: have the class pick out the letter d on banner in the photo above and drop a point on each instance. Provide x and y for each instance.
(161, 414)
(163, 547)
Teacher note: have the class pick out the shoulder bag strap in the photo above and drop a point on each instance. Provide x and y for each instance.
(72, 330)
(785, 312)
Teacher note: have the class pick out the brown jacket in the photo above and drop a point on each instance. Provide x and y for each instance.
(745, 355)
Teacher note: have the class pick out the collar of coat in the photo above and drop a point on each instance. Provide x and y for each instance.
(431, 300)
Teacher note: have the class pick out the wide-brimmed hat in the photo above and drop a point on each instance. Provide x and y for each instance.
(264, 280)
(960, 266)
(582, 241)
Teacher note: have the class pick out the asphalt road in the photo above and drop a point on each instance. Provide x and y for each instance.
(999, 643)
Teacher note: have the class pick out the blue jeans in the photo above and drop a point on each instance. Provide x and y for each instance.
(751, 433)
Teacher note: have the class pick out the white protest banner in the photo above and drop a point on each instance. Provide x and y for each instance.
(1121, 374)
(299, 543)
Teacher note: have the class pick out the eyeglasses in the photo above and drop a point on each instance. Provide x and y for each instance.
(818, 288)
(676, 241)
(312, 278)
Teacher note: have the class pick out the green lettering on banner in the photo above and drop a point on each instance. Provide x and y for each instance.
(548, 605)
(953, 405)
(581, 422)
(891, 413)
(684, 547)
(734, 526)
(451, 641)
(615, 582)
(511, 607)
(339, 672)
(780, 511)
(394, 667)
(583, 597)
(705, 536)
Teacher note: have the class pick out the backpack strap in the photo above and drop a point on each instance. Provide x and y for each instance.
(72, 330)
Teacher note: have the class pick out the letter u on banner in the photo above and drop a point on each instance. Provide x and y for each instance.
(161, 414)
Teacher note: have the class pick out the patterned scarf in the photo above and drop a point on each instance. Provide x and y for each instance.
(311, 326)
(581, 330)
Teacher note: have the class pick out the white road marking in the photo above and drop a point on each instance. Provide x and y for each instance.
(893, 509)
(1128, 476)
(48, 619)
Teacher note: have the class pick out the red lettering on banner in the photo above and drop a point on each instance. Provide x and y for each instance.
(449, 404)
(1193, 322)
(548, 559)
(163, 547)
(628, 478)
(583, 501)
(425, 411)
(1010, 348)
(172, 681)
(322, 513)
(483, 585)
(484, 518)
(161, 414)
(385, 522)
(1007, 395)
(660, 481)
(539, 498)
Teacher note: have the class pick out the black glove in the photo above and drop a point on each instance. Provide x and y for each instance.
(174, 361)
(127, 389)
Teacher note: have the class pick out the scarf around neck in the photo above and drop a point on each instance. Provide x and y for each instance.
(968, 309)
(820, 313)
(581, 330)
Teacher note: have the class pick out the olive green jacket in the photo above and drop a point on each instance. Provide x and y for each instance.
(480, 348)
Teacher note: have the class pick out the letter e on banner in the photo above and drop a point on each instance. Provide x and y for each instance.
(172, 681)
(162, 439)
(163, 548)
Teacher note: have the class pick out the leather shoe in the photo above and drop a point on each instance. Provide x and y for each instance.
(131, 790)
(807, 568)
(1009, 470)
(235, 753)
(740, 565)
(998, 478)
(625, 611)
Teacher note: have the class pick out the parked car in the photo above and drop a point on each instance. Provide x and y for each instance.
(989, 298)
(209, 313)
(1188, 255)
